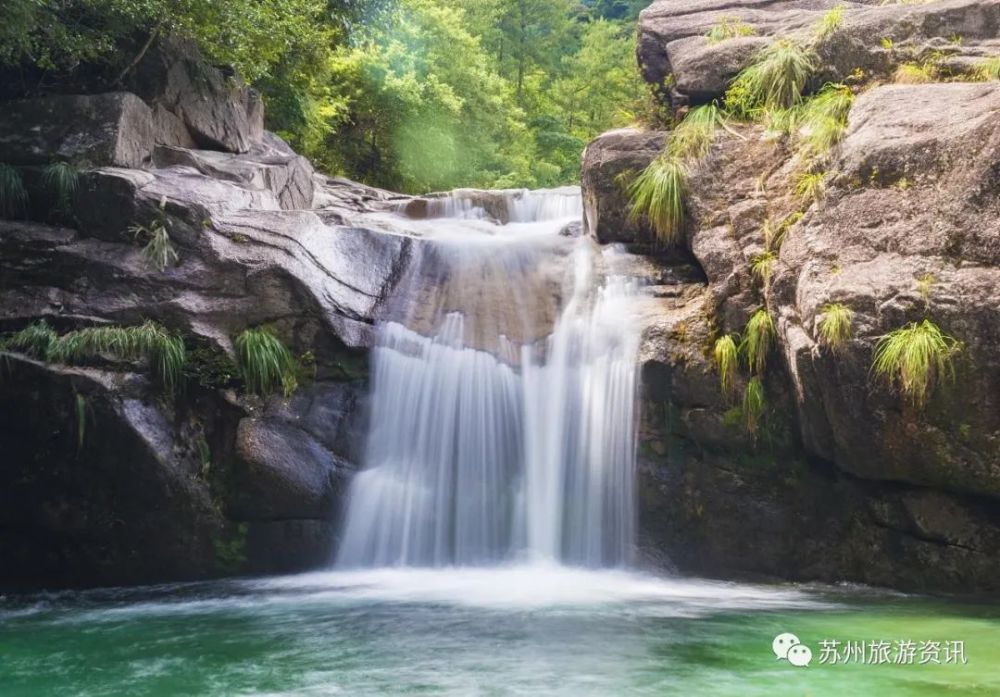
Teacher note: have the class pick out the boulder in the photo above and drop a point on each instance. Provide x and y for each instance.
(216, 108)
(610, 162)
(678, 60)
(114, 129)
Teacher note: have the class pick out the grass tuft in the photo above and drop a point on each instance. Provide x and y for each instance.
(159, 251)
(988, 69)
(265, 362)
(36, 340)
(658, 195)
(13, 195)
(829, 23)
(913, 74)
(915, 358)
(758, 339)
(727, 361)
(62, 179)
(834, 326)
(692, 138)
(729, 28)
(753, 405)
(811, 185)
(822, 119)
(774, 80)
(762, 266)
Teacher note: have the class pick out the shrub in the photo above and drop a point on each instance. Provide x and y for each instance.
(265, 363)
(834, 325)
(727, 361)
(913, 74)
(13, 195)
(658, 195)
(729, 28)
(753, 405)
(62, 179)
(758, 340)
(774, 80)
(915, 358)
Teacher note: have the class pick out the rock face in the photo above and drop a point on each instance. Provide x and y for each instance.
(107, 478)
(846, 479)
(676, 56)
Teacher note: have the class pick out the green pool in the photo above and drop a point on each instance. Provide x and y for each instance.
(507, 631)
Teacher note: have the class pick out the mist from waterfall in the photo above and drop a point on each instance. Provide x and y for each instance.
(503, 398)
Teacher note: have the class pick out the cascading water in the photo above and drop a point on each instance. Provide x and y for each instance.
(503, 404)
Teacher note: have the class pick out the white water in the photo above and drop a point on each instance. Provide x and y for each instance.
(503, 405)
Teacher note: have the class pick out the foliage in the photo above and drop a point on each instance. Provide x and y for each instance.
(774, 80)
(811, 185)
(62, 179)
(729, 28)
(758, 339)
(915, 358)
(265, 362)
(149, 341)
(658, 195)
(762, 266)
(834, 325)
(159, 251)
(988, 69)
(692, 138)
(753, 405)
(829, 23)
(727, 361)
(822, 119)
(13, 195)
(913, 74)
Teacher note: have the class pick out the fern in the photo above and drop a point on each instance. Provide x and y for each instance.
(265, 362)
(658, 196)
(13, 195)
(915, 358)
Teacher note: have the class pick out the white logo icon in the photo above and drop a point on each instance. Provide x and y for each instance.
(788, 647)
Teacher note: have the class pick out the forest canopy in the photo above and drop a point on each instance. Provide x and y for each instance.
(413, 95)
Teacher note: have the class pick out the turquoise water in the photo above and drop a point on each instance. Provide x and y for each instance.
(505, 631)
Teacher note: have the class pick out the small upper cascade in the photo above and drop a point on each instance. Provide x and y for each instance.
(501, 206)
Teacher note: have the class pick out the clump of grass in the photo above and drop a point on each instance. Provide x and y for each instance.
(265, 363)
(915, 358)
(159, 251)
(692, 138)
(835, 325)
(762, 266)
(829, 23)
(924, 285)
(913, 74)
(729, 28)
(758, 339)
(774, 80)
(822, 119)
(150, 341)
(62, 179)
(811, 185)
(13, 195)
(753, 405)
(988, 69)
(657, 195)
(37, 340)
(727, 361)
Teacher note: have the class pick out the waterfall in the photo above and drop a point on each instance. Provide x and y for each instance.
(503, 399)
